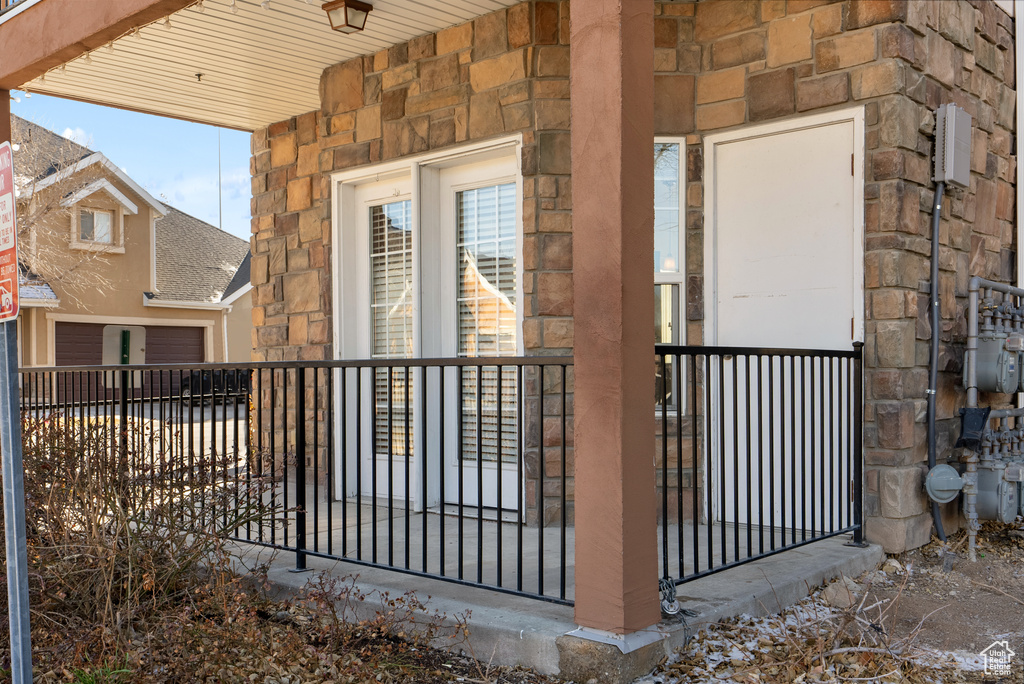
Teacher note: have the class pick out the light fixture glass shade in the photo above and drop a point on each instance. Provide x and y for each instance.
(347, 16)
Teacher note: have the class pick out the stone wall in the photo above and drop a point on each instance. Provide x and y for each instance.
(754, 61)
(719, 64)
(504, 73)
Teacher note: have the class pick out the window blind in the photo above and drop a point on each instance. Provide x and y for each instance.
(486, 244)
(392, 320)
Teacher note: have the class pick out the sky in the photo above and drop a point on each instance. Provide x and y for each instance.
(175, 161)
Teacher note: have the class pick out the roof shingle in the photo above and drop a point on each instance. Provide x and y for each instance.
(42, 152)
(196, 262)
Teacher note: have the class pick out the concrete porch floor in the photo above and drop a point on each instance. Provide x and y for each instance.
(515, 557)
(513, 630)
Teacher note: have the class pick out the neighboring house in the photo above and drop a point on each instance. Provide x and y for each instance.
(791, 204)
(102, 256)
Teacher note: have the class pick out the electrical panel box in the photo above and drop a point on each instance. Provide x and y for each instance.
(952, 146)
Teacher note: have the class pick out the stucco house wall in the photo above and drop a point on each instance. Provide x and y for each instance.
(153, 270)
(120, 277)
(720, 65)
(239, 327)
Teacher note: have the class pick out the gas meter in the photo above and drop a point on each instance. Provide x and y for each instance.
(997, 497)
(998, 363)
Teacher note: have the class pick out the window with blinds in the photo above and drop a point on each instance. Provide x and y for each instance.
(486, 244)
(391, 309)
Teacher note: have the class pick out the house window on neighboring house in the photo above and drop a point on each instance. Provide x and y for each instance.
(96, 226)
(669, 266)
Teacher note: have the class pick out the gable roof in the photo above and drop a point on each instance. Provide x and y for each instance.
(197, 262)
(241, 278)
(44, 158)
(97, 158)
(42, 152)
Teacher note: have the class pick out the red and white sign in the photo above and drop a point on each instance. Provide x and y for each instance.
(8, 237)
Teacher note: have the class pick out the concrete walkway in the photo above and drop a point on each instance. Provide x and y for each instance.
(511, 630)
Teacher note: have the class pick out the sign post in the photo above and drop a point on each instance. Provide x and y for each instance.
(10, 430)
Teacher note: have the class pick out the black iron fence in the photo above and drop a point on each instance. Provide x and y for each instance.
(462, 469)
(449, 468)
(758, 451)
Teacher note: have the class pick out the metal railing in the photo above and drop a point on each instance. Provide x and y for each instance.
(462, 469)
(758, 451)
(448, 468)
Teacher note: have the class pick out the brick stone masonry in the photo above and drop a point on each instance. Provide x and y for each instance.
(719, 64)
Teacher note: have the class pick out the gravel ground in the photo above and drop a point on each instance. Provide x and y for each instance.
(925, 616)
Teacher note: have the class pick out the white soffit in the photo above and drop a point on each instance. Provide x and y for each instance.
(258, 65)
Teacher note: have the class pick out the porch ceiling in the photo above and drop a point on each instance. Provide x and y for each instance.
(258, 65)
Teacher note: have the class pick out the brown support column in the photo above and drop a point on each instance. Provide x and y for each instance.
(612, 92)
(5, 116)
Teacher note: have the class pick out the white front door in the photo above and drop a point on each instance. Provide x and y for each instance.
(427, 267)
(384, 259)
(480, 211)
(784, 259)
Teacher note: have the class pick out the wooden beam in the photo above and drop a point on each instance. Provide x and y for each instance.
(53, 32)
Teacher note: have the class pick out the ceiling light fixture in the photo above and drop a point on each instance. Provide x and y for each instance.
(347, 16)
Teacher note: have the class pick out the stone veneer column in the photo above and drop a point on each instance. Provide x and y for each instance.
(612, 95)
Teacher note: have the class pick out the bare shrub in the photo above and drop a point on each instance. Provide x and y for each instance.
(115, 535)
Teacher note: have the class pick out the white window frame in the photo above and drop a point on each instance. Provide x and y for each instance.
(116, 243)
(95, 214)
(426, 177)
(429, 181)
(678, 277)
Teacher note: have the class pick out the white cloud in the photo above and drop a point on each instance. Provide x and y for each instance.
(77, 135)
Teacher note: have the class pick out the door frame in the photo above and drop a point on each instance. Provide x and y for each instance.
(854, 115)
(424, 174)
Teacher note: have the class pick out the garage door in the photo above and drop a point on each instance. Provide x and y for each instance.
(79, 344)
(165, 344)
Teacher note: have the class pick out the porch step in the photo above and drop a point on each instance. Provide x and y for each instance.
(511, 630)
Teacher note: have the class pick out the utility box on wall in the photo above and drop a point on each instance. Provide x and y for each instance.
(952, 146)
